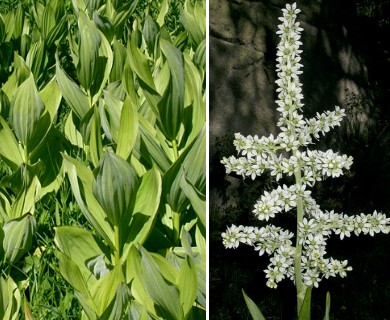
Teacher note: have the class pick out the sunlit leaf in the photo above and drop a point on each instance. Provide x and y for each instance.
(115, 186)
(26, 110)
(18, 235)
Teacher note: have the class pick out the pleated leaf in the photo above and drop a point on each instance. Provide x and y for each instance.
(128, 129)
(121, 15)
(10, 299)
(164, 294)
(9, 148)
(140, 66)
(150, 31)
(88, 50)
(73, 95)
(198, 200)
(81, 180)
(95, 141)
(187, 284)
(145, 209)
(171, 106)
(115, 186)
(26, 110)
(71, 272)
(150, 149)
(104, 290)
(191, 163)
(18, 235)
(79, 245)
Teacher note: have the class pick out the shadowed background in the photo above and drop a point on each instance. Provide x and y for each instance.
(346, 62)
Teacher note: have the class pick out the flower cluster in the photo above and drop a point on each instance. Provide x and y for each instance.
(288, 154)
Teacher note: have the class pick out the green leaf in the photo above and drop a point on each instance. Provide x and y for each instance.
(80, 246)
(25, 201)
(95, 138)
(26, 110)
(145, 209)
(18, 234)
(253, 308)
(140, 66)
(193, 18)
(89, 44)
(51, 97)
(27, 312)
(133, 275)
(81, 180)
(200, 54)
(198, 200)
(187, 284)
(72, 134)
(121, 15)
(115, 186)
(104, 290)
(105, 25)
(327, 306)
(71, 272)
(165, 295)
(119, 304)
(171, 106)
(150, 149)
(10, 299)
(74, 96)
(191, 163)
(304, 312)
(163, 12)
(150, 32)
(119, 52)
(128, 129)
(57, 33)
(9, 148)
(36, 59)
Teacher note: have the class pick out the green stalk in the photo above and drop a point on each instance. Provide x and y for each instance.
(301, 288)
(176, 226)
(117, 245)
(175, 151)
(25, 154)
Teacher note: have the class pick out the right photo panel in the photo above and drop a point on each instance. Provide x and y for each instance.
(299, 206)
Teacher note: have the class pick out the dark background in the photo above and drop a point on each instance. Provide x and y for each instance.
(346, 60)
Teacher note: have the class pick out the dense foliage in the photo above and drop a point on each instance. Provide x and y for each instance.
(102, 190)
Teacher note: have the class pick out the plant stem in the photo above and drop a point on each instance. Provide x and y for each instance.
(117, 245)
(301, 288)
(25, 154)
(175, 151)
(176, 226)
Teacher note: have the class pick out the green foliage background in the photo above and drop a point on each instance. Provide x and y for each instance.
(102, 161)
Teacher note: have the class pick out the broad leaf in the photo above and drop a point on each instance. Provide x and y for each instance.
(166, 296)
(73, 95)
(81, 180)
(128, 129)
(89, 44)
(115, 186)
(18, 236)
(71, 272)
(9, 148)
(26, 110)
(80, 246)
(187, 284)
(171, 106)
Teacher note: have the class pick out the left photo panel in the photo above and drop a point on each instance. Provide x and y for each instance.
(103, 159)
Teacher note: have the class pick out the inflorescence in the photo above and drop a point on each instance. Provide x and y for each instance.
(288, 154)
